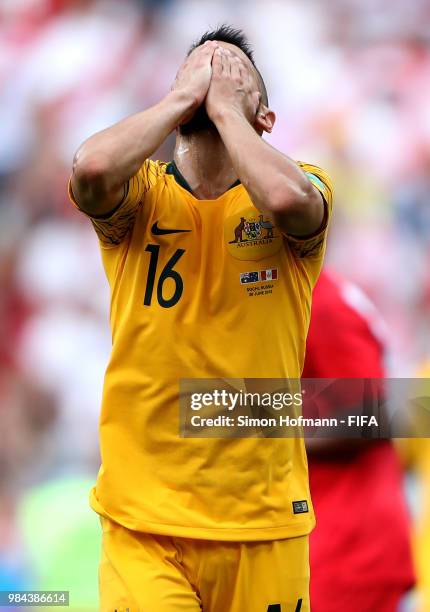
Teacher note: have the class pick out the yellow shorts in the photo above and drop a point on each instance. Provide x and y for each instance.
(142, 572)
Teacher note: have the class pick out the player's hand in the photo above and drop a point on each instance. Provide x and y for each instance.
(194, 77)
(232, 87)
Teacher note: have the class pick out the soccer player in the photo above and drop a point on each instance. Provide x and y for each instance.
(210, 524)
(360, 551)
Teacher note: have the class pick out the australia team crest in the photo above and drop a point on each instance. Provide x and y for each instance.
(252, 236)
(253, 230)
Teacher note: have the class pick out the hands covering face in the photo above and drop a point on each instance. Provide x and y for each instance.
(222, 81)
(232, 88)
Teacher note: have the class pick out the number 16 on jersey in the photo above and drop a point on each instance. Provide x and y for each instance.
(166, 273)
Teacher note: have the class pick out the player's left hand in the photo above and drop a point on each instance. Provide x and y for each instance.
(232, 87)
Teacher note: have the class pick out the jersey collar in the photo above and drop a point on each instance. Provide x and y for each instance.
(173, 169)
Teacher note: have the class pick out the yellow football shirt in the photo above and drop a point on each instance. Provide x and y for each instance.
(415, 453)
(182, 306)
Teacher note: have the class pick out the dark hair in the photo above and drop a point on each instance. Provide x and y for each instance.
(236, 37)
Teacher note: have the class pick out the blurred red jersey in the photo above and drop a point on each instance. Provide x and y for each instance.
(360, 552)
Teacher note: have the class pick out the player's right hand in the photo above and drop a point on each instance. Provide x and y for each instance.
(194, 76)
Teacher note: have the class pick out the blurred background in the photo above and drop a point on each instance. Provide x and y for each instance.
(350, 83)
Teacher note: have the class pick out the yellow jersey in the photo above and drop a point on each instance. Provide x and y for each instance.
(201, 289)
(415, 453)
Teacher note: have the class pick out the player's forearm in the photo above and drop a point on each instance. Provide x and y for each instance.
(272, 179)
(275, 182)
(108, 159)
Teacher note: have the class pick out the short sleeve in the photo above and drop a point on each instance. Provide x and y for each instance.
(313, 246)
(112, 228)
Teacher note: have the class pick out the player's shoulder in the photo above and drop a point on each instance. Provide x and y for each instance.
(319, 177)
(337, 292)
(349, 303)
(153, 170)
(313, 169)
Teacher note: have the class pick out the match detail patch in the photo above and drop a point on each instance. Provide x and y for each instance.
(300, 507)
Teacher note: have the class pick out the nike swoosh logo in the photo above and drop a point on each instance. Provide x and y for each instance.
(157, 231)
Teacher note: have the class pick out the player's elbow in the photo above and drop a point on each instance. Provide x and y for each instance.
(91, 171)
(286, 196)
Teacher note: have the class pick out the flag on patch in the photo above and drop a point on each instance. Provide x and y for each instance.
(249, 277)
(257, 277)
(268, 275)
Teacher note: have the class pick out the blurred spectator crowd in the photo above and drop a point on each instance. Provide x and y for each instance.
(350, 83)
